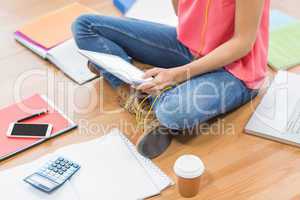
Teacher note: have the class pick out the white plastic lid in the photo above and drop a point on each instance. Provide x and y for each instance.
(189, 166)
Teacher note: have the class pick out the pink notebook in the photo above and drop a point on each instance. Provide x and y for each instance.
(10, 146)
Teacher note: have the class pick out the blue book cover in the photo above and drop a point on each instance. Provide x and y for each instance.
(279, 19)
(123, 5)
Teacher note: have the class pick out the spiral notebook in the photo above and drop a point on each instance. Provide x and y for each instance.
(111, 168)
(112, 162)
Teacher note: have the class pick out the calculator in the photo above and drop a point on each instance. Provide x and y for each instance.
(53, 174)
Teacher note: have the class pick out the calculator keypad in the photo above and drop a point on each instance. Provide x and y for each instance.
(59, 170)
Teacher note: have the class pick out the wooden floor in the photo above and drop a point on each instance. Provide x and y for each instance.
(239, 166)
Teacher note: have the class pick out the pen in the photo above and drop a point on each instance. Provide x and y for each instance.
(33, 115)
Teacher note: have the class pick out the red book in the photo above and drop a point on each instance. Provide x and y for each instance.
(11, 146)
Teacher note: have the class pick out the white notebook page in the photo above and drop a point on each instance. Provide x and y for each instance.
(11, 180)
(66, 57)
(109, 170)
(159, 11)
(117, 66)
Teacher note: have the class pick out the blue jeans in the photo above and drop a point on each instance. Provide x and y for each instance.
(186, 105)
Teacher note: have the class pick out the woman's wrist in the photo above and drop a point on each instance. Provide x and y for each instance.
(181, 74)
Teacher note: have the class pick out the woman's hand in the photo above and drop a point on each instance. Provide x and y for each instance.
(162, 78)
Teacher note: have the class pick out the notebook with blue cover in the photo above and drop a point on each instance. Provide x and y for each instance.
(123, 5)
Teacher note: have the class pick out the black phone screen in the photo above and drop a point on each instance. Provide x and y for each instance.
(39, 130)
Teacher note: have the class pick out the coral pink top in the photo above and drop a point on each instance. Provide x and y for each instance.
(206, 24)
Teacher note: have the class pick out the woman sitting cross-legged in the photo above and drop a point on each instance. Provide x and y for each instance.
(215, 61)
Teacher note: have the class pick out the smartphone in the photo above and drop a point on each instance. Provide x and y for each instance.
(20, 130)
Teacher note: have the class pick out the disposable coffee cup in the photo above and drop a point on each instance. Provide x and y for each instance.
(188, 169)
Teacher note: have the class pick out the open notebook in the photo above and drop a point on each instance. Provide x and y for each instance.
(277, 117)
(55, 42)
(117, 66)
(111, 168)
(68, 60)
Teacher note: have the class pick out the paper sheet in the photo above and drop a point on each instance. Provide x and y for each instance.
(110, 170)
(160, 11)
(14, 188)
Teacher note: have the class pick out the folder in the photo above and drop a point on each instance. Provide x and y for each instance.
(54, 27)
(11, 146)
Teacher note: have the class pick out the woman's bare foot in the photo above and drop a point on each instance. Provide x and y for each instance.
(92, 67)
